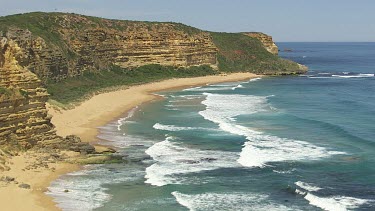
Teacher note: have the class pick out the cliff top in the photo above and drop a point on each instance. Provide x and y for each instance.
(46, 25)
(75, 55)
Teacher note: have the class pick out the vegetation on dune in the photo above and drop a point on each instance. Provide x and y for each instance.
(78, 88)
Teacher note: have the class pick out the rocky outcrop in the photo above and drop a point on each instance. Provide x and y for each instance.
(23, 116)
(3, 161)
(72, 44)
(48, 61)
(266, 40)
(24, 121)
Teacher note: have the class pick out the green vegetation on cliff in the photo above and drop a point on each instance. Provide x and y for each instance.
(76, 55)
(39, 23)
(238, 52)
(74, 89)
(11, 93)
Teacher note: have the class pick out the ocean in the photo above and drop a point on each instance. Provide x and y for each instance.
(274, 143)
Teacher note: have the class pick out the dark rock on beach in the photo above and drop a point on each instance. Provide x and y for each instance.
(25, 186)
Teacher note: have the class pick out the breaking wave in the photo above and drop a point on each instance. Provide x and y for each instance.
(172, 160)
(260, 148)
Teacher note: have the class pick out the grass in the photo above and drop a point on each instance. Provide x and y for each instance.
(238, 52)
(40, 24)
(73, 90)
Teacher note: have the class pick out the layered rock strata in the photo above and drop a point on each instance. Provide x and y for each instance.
(266, 40)
(23, 116)
(73, 44)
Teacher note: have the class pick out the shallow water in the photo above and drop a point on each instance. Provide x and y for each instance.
(277, 143)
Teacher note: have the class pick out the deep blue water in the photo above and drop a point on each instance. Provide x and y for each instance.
(277, 143)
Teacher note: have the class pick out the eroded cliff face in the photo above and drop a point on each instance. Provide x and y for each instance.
(78, 43)
(266, 41)
(23, 116)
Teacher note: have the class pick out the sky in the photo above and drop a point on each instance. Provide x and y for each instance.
(284, 20)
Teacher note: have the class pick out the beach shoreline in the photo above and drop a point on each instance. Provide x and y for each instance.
(83, 121)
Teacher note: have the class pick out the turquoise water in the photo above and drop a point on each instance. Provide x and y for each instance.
(276, 143)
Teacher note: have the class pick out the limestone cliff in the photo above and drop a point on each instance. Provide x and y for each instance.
(266, 41)
(65, 45)
(73, 55)
(23, 116)
(61, 45)
(24, 121)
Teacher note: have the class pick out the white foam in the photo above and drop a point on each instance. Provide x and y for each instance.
(85, 187)
(173, 160)
(222, 108)
(212, 88)
(318, 77)
(215, 87)
(260, 148)
(335, 203)
(122, 121)
(223, 85)
(184, 98)
(254, 79)
(158, 94)
(172, 109)
(190, 97)
(110, 135)
(227, 201)
(307, 186)
(367, 75)
(361, 75)
(218, 87)
(192, 89)
(238, 86)
(160, 126)
(284, 172)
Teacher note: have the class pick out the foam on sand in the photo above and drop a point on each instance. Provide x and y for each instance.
(122, 121)
(85, 187)
(110, 135)
(254, 79)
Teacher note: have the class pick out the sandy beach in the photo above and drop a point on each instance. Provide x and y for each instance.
(14, 198)
(83, 121)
